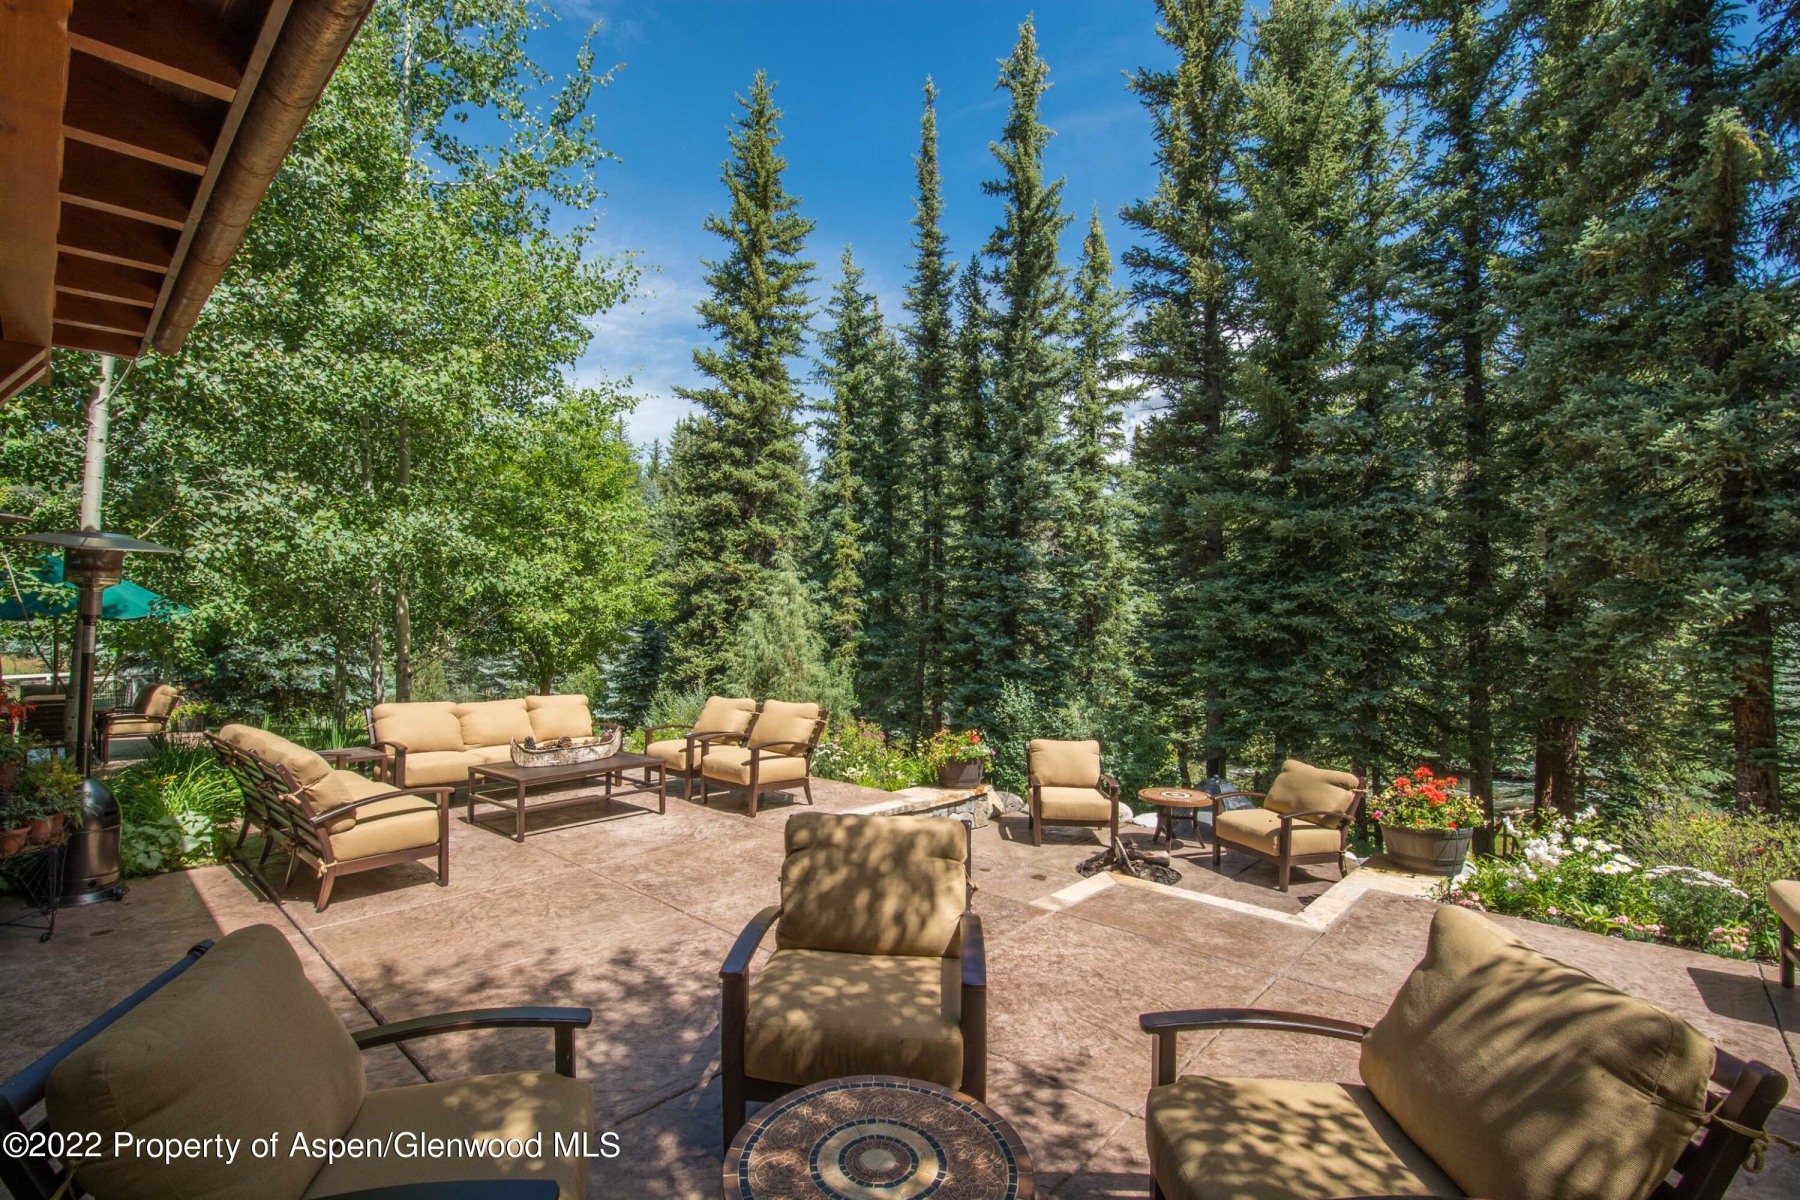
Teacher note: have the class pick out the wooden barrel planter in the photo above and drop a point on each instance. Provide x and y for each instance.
(959, 774)
(1427, 851)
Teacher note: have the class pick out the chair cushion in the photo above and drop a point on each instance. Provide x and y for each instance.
(1784, 898)
(403, 823)
(133, 725)
(731, 764)
(158, 701)
(725, 714)
(816, 1015)
(304, 765)
(559, 716)
(1278, 1139)
(340, 787)
(1304, 788)
(421, 726)
(873, 884)
(509, 1106)
(1075, 804)
(673, 752)
(1064, 764)
(1578, 1091)
(443, 766)
(493, 723)
(1260, 829)
(239, 1044)
(784, 722)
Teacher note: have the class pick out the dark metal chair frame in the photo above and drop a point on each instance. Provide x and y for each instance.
(697, 741)
(1785, 953)
(1035, 811)
(738, 1089)
(1749, 1091)
(263, 791)
(43, 1177)
(755, 788)
(1284, 859)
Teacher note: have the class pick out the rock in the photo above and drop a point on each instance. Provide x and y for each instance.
(1007, 802)
(1147, 820)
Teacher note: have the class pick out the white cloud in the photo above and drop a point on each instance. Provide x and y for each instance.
(650, 338)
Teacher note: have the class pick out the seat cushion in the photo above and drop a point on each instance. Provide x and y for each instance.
(239, 1044)
(480, 1107)
(781, 721)
(673, 752)
(1304, 788)
(873, 884)
(1784, 898)
(491, 754)
(1577, 1091)
(304, 765)
(725, 714)
(1075, 804)
(421, 726)
(1277, 1139)
(817, 1015)
(442, 767)
(403, 823)
(731, 764)
(493, 723)
(132, 725)
(1064, 764)
(1260, 829)
(559, 716)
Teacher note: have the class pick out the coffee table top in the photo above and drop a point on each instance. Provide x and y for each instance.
(512, 772)
(1172, 797)
(877, 1137)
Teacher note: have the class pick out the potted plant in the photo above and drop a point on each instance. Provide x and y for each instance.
(1426, 822)
(960, 758)
(15, 824)
(49, 792)
(190, 716)
(15, 748)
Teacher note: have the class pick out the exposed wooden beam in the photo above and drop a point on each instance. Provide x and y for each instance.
(104, 281)
(34, 73)
(106, 315)
(165, 39)
(21, 366)
(75, 337)
(115, 110)
(130, 187)
(94, 234)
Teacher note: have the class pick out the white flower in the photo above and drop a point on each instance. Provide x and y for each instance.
(1604, 847)
(1580, 843)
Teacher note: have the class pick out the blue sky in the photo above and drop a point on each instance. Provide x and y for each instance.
(850, 80)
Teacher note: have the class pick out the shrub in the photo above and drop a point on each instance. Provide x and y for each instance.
(1131, 749)
(1748, 849)
(177, 806)
(859, 752)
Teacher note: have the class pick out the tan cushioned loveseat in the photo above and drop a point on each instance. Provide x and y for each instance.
(436, 742)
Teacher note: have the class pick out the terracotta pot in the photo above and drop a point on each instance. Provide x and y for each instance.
(13, 840)
(1427, 851)
(959, 774)
(39, 831)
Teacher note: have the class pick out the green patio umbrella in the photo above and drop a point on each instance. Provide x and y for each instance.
(123, 601)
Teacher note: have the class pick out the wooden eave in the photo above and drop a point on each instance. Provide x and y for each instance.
(139, 136)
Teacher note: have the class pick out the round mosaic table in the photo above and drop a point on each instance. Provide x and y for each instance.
(877, 1137)
(1169, 801)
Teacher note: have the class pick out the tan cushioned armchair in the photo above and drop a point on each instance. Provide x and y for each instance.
(1496, 1072)
(725, 720)
(775, 754)
(148, 718)
(1068, 787)
(235, 1041)
(878, 966)
(436, 742)
(1304, 818)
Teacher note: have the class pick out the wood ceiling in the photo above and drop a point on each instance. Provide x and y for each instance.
(137, 138)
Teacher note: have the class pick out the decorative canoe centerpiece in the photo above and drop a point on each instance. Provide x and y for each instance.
(567, 751)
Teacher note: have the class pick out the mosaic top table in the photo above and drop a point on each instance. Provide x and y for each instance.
(1170, 803)
(877, 1137)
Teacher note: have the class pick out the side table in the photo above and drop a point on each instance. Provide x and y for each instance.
(366, 759)
(1170, 803)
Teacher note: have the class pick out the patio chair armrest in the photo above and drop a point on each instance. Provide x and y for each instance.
(796, 749)
(1166, 1025)
(564, 1021)
(1110, 786)
(1249, 795)
(974, 953)
(461, 1189)
(442, 794)
(1309, 814)
(396, 756)
(715, 735)
(737, 961)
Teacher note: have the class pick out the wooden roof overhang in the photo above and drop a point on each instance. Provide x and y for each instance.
(137, 138)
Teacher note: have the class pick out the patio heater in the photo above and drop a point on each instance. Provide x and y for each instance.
(93, 561)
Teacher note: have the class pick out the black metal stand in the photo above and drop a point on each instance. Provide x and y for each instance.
(36, 875)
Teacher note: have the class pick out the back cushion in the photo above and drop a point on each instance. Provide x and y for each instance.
(725, 714)
(419, 726)
(493, 723)
(240, 1044)
(159, 701)
(873, 885)
(1065, 764)
(1524, 1078)
(784, 722)
(305, 765)
(1304, 788)
(559, 716)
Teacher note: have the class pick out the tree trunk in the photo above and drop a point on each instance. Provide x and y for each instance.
(340, 686)
(403, 666)
(1553, 783)
(1756, 775)
(377, 655)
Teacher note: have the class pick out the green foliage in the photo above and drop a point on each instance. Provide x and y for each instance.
(1130, 748)
(860, 752)
(178, 806)
(780, 654)
(46, 787)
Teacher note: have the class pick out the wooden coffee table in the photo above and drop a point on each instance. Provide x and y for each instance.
(877, 1137)
(517, 779)
(1169, 803)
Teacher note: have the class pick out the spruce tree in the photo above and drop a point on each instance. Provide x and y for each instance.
(851, 371)
(976, 595)
(889, 517)
(736, 479)
(932, 350)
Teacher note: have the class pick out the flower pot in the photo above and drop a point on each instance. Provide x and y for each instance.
(1427, 851)
(959, 774)
(13, 840)
(39, 831)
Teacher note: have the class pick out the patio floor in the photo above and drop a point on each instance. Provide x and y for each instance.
(630, 913)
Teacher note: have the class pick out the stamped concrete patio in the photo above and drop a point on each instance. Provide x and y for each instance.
(630, 913)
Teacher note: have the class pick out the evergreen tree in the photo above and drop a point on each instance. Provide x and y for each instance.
(851, 372)
(932, 350)
(890, 520)
(736, 481)
(1186, 285)
(1030, 372)
(976, 595)
(779, 651)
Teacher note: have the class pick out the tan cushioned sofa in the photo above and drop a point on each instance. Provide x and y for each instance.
(436, 742)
